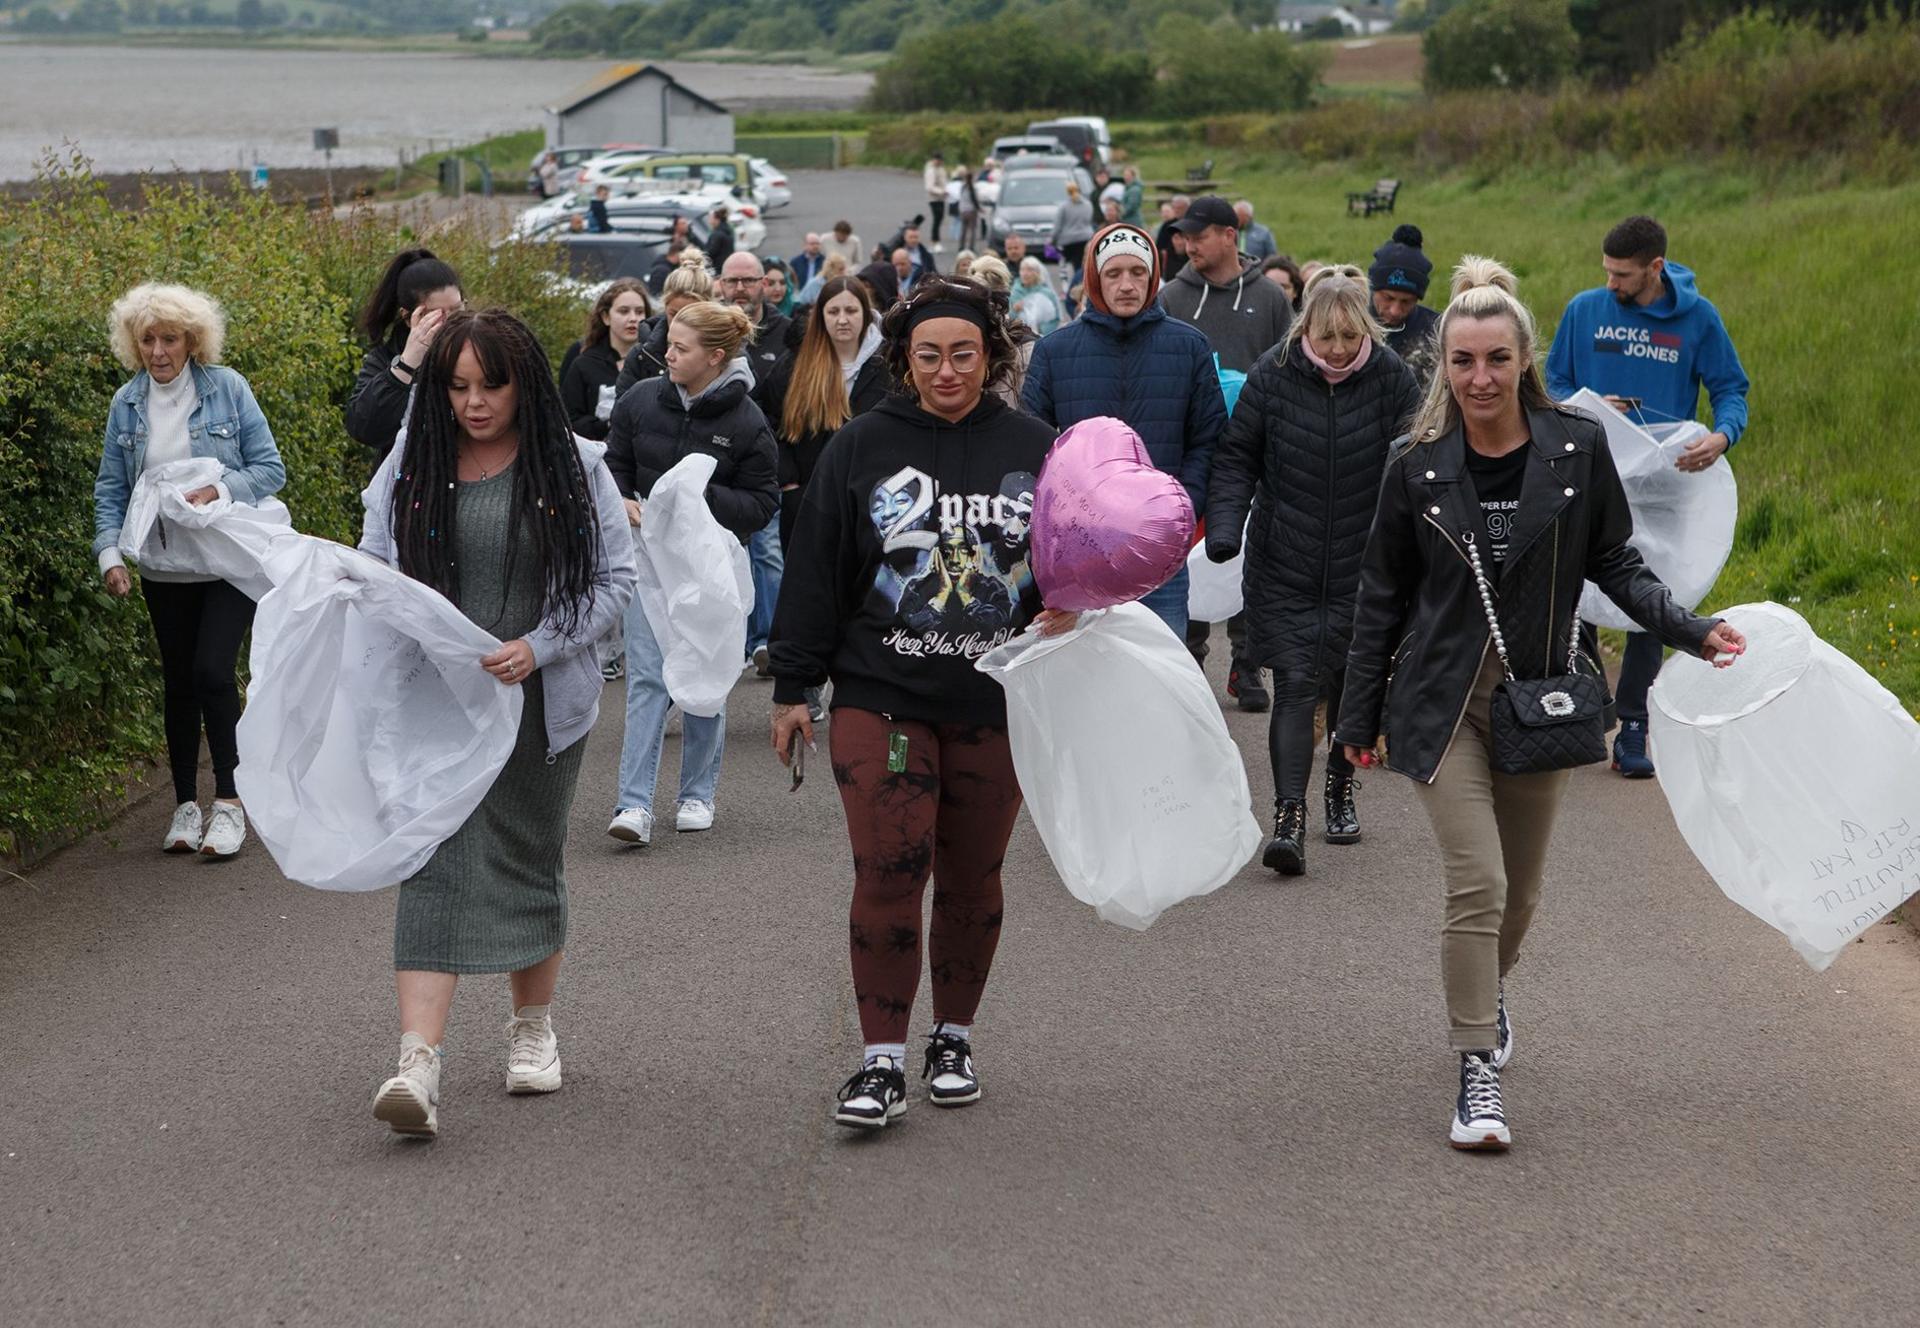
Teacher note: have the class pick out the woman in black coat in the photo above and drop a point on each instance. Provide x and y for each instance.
(587, 380)
(700, 407)
(1304, 450)
(415, 294)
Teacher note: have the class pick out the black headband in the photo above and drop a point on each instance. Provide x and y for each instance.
(920, 313)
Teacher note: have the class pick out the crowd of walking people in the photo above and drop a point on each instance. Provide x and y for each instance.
(1416, 508)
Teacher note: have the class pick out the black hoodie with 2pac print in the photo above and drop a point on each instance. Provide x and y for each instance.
(910, 562)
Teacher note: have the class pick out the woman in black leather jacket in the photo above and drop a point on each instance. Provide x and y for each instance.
(1497, 468)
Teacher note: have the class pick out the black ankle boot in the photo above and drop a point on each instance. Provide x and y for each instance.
(1287, 850)
(1343, 822)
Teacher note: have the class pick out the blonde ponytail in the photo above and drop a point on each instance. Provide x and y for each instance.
(1482, 288)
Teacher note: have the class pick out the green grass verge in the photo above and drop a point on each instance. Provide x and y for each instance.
(1821, 304)
(507, 155)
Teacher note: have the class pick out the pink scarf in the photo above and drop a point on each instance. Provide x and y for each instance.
(1333, 375)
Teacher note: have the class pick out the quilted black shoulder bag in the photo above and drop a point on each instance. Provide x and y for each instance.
(1542, 724)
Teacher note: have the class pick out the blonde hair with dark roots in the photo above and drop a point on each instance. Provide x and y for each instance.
(1482, 288)
(1340, 298)
(692, 277)
(196, 314)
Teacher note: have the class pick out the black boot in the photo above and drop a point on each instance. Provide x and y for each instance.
(1287, 850)
(1343, 822)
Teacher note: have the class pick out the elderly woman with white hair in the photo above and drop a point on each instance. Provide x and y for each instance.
(180, 403)
(1304, 451)
(1033, 300)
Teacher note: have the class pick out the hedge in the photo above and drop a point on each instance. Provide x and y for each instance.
(79, 675)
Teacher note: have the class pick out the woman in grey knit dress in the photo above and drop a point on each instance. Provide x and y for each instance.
(493, 503)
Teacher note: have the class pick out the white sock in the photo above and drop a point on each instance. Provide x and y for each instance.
(895, 1051)
(532, 1012)
(962, 1031)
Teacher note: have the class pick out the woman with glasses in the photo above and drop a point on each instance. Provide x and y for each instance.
(909, 563)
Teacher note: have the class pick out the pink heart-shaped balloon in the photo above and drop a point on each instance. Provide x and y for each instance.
(1108, 525)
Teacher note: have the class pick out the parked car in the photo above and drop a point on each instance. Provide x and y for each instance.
(605, 167)
(1020, 145)
(1061, 164)
(607, 256)
(1086, 137)
(771, 183)
(647, 199)
(1029, 201)
(731, 171)
(570, 159)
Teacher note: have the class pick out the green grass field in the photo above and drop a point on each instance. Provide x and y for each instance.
(1821, 301)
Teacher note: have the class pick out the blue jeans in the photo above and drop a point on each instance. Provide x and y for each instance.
(769, 562)
(1170, 602)
(702, 741)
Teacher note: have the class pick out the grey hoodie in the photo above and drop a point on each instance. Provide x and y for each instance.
(1242, 318)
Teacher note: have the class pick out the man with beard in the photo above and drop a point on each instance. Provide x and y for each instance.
(1648, 342)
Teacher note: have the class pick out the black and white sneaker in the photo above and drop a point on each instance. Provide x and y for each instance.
(1479, 1120)
(949, 1070)
(872, 1097)
(1504, 1052)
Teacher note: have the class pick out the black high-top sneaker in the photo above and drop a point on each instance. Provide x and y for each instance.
(1479, 1119)
(1287, 850)
(1343, 821)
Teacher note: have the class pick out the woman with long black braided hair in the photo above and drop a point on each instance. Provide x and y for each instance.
(491, 502)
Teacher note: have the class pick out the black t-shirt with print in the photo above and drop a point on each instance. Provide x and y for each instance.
(1496, 480)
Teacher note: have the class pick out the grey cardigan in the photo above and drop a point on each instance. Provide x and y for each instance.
(569, 665)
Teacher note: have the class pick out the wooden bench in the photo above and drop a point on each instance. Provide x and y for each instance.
(1377, 199)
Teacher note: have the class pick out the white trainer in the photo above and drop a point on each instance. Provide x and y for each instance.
(226, 831)
(533, 1053)
(183, 834)
(694, 815)
(632, 825)
(409, 1102)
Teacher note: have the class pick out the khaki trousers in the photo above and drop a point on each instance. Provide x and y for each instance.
(1494, 831)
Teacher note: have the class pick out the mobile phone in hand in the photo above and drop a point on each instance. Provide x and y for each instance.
(797, 761)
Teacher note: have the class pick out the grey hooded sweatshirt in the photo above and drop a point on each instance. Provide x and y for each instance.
(1242, 318)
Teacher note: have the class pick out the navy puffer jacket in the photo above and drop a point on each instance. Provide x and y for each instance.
(1307, 457)
(1152, 371)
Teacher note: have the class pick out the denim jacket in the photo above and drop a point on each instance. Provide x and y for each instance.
(227, 424)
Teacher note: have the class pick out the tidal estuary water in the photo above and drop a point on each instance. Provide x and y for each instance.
(134, 108)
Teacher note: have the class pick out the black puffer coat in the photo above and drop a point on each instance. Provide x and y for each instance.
(1306, 456)
(652, 430)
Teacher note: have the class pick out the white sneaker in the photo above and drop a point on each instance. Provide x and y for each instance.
(226, 831)
(533, 1054)
(183, 835)
(694, 815)
(410, 1101)
(632, 825)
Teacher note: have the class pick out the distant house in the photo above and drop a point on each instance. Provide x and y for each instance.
(639, 103)
(1359, 20)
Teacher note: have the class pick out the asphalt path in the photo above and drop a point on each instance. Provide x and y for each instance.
(1237, 1117)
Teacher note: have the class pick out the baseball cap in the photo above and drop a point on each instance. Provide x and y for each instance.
(1207, 210)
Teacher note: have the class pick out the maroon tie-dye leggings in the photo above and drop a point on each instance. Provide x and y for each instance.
(948, 813)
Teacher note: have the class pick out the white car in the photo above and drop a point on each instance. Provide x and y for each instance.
(640, 197)
(603, 168)
(770, 183)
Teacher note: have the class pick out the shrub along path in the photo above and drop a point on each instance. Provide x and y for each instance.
(1235, 1118)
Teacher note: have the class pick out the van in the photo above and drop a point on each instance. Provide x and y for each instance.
(1086, 137)
(694, 169)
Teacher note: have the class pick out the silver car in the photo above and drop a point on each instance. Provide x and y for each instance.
(1029, 202)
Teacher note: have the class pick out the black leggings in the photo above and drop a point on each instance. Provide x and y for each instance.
(938, 207)
(199, 625)
(1290, 731)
